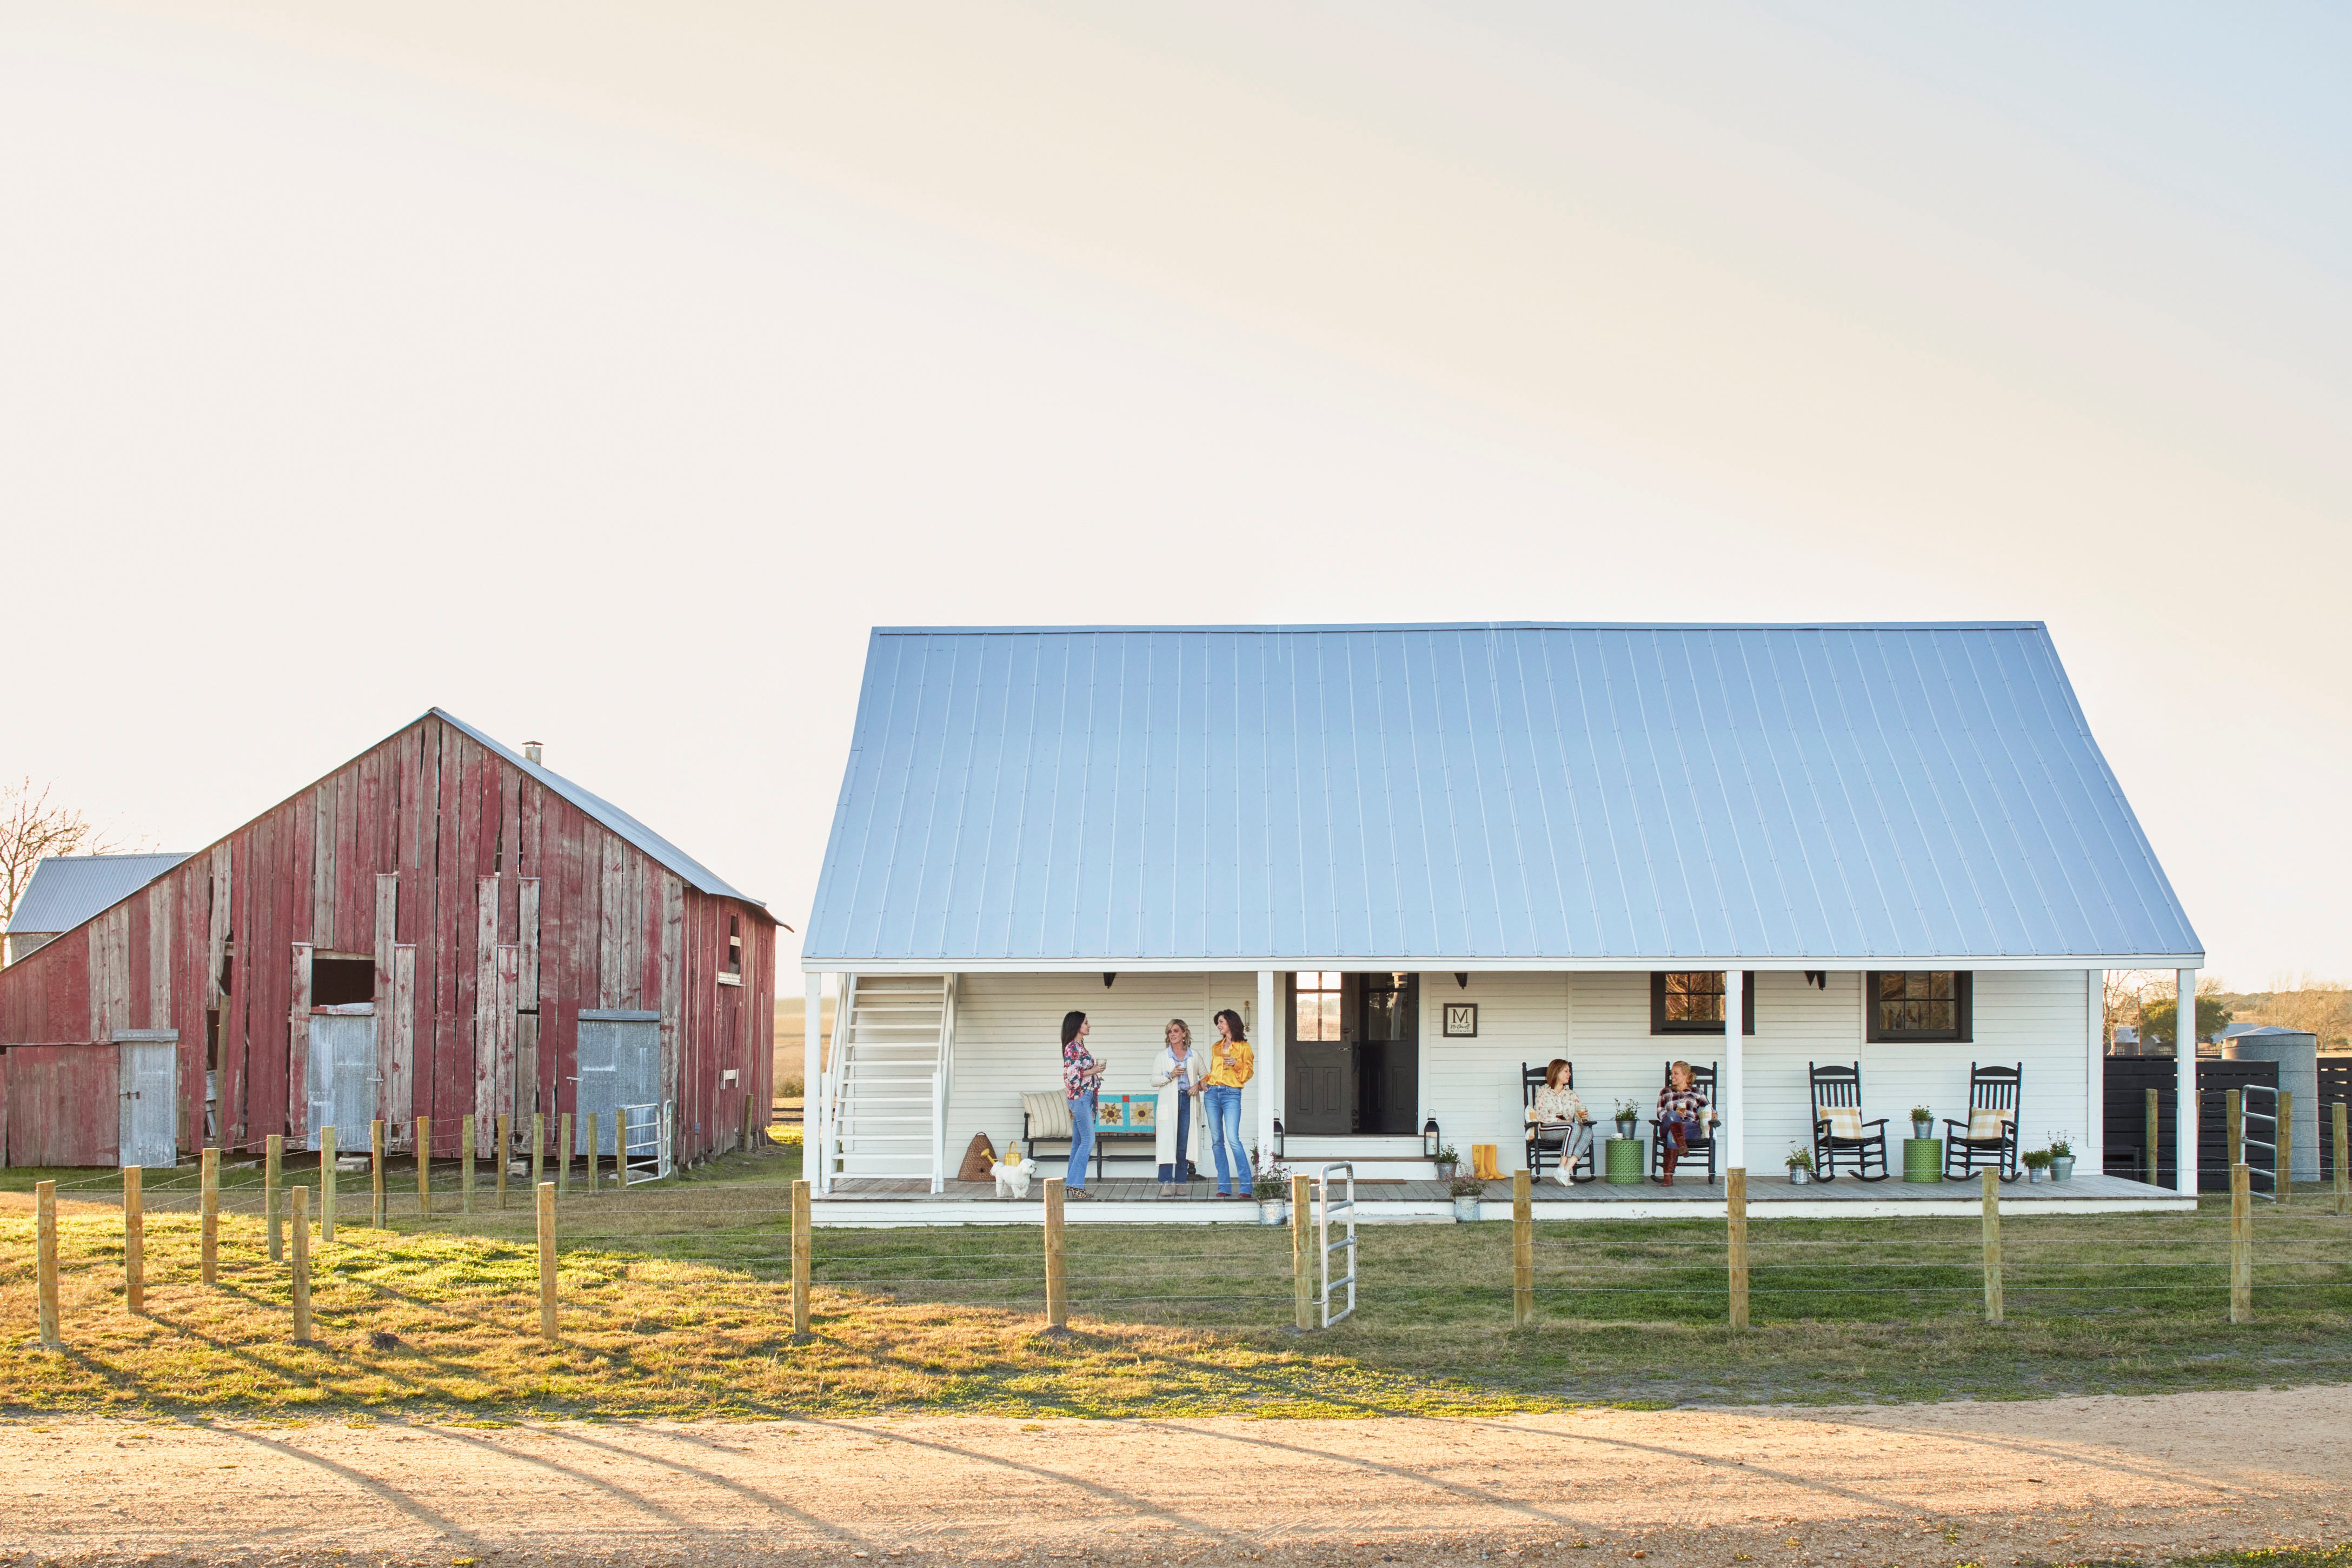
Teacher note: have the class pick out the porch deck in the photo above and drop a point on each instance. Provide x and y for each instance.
(1123, 1201)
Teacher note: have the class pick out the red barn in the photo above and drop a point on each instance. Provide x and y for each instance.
(440, 928)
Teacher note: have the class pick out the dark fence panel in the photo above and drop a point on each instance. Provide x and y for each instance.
(2128, 1079)
(2334, 1087)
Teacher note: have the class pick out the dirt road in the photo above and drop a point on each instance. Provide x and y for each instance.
(1916, 1486)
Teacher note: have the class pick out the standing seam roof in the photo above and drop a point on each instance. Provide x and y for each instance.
(1505, 791)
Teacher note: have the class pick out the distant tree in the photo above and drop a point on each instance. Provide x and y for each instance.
(2159, 1017)
(32, 828)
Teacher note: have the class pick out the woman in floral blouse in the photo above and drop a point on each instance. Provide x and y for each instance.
(1682, 1112)
(1082, 1075)
(1560, 1120)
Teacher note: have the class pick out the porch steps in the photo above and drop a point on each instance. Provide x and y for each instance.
(888, 1078)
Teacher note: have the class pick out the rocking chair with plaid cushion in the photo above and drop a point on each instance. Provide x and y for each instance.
(1839, 1130)
(1989, 1136)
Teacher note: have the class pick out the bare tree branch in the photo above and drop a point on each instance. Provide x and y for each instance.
(32, 828)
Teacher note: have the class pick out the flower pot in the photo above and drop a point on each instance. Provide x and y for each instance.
(1798, 1175)
(1923, 1130)
(1625, 1131)
(2034, 1173)
(1446, 1169)
(1465, 1209)
(2061, 1168)
(1273, 1211)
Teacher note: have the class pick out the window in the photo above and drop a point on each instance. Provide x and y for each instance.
(1690, 1002)
(340, 981)
(1918, 1003)
(1319, 1005)
(731, 972)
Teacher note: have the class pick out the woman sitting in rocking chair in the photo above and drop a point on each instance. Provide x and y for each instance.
(1682, 1114)
(1561, 1119)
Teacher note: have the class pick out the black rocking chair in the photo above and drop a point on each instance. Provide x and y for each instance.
(1547, 1138)
(1839, 1130)
(1702, 1142)
(1994, 1089)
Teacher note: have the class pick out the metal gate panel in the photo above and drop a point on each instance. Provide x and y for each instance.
(147, 1086)
(342, 1073)
(619, 1064)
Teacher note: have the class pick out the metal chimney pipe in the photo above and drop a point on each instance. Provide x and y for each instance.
(530, 750)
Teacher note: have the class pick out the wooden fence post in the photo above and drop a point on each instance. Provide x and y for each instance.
(2234, 1124)
(2282, 1182)
(2343, 1166)
(2155, 1149)
(799, 1260)
(1523, 1251)
(466, 1164)
(1734, 1197)
(592, 1140)
(208, 1207)
(563, 1153)
(134, 1242)
(1057, 1291)
(544, 1198)
(424, 1167)
(506, 1143)
(1302, 1254)
(327, 1184)
(301, 1206)
(273, 1160)
(2241, 1246)
(44, 1252)
(375, 1156)
(1993, 1313)
(538, 1150)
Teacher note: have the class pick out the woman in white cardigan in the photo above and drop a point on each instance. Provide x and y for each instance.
(1176, 1072)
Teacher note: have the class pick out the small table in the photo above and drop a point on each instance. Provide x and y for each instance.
(1621, 1162)
(1922, 1159)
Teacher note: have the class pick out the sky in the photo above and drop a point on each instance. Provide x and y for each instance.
(603, 372)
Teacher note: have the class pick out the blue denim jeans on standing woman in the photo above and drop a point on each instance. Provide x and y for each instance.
(1082, 1141)
(1225, 1103)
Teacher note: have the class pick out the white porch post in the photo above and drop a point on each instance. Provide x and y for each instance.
(2184, 1059)
(1735, 1075)
(1270, 1049)
(2093, 1149)
(812, 1086)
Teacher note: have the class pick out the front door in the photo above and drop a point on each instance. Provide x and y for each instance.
(1388, 1053)
(1320, 1084)
(342, 1074)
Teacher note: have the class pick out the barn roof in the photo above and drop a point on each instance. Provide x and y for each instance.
(694, 872)
(66, 889)
(1484, 795)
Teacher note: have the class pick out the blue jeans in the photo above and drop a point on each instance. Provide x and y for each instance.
(1225, 1127)
(1184, 1137)
(1082, 1140)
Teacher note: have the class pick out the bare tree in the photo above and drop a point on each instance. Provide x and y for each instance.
(31, 828)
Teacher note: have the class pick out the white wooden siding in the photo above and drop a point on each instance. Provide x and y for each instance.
(1008, 1029)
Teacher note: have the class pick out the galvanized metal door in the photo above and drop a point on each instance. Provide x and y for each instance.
(148, 1092)
(620, 1064)
(342, 1073)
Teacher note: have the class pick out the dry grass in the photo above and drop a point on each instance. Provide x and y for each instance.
(675, 1304)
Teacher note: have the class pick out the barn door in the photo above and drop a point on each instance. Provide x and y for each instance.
(147, 1091)
(620, 1064)
(342, 1073)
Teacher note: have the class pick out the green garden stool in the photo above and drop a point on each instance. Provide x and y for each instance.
(1922, 1159)
(1623, 1165)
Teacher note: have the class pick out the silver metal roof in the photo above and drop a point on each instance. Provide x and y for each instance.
(695, 872)
(66, 889)
(1483, 795)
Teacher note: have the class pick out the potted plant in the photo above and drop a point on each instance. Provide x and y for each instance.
(1270, 1185)
(2037, 1161)
(1627, 1114)
(2061, 1158)
(1922, 1123)
(1467, 1191)
(1448, 1162)
(1800, 1165)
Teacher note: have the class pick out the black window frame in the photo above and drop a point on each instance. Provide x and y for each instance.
(1963, 996)
(1661, 1025)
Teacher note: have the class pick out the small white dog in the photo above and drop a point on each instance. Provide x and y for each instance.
(1013, 1180)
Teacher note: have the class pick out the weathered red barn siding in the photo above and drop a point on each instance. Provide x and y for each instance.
(61, 1107)
(507, 907)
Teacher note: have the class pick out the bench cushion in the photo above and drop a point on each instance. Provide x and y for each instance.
(1049, 1114)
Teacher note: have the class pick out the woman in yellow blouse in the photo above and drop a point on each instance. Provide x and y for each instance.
(1230, 1064)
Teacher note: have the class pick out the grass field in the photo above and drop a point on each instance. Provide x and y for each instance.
(674, 1303)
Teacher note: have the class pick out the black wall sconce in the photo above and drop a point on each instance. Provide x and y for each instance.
(1110, 975)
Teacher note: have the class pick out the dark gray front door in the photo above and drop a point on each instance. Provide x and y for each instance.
(1320, 1084)
(1388, 1053)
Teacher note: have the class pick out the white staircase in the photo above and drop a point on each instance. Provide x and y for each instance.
(886, 1110)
